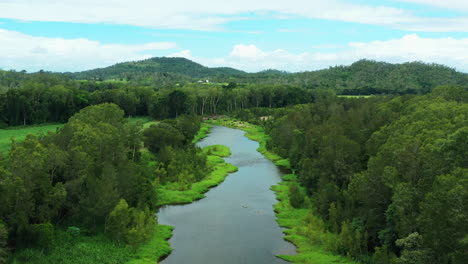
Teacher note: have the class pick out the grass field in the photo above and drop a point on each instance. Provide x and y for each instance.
(20, 133)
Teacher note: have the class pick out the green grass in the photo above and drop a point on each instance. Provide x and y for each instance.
(202, 133)
(155, 249)
(170, 193)
(217, 150)
(303, 233)
(142, 119)
(19, 133)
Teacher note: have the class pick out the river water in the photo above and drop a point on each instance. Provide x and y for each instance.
(235, 222)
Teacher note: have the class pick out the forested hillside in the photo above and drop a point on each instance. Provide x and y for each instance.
(131, 70)
(360, 78)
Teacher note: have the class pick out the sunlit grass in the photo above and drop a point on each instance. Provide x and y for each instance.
(217, 150)
(19, 133)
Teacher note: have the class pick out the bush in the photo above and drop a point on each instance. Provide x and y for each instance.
(130, 225)
(73, 231)
(296, 198)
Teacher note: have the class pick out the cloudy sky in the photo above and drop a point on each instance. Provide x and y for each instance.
(293, 35)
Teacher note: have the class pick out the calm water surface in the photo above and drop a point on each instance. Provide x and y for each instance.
(235, 223)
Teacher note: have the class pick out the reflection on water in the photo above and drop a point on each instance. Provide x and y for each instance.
(235, 223)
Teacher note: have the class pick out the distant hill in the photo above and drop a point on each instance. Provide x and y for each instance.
(181, 66)
(373, 77)
(360, 78)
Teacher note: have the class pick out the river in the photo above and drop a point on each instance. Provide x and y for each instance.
(235, 222)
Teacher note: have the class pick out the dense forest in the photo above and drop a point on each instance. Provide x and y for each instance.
(385, 175)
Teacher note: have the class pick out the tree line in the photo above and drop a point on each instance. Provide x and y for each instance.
(48, 98)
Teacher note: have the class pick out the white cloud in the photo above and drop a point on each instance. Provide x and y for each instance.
(184, 54)
(449, 4)
(449, 51)
(212, 14)
(20, 51)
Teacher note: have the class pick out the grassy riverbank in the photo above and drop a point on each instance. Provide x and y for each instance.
(305, 230)
(171, 193)
(202, 133)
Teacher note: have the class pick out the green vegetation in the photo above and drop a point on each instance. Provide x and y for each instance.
(92, 186)
(217, 150)
(202, 133)
(174, 194)
(379, 179)
(76, 249)
(19, 134)
(385, 177)
(132, 70)
(305, 230)
(155, 249)
(167, 87)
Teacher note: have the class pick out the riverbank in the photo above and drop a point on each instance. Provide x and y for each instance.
(303, 229)
(158, 247)
(171, 194)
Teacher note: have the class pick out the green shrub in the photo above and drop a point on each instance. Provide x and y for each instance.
(296, 198)
(73, 231)
(42, 235)
(130, 225)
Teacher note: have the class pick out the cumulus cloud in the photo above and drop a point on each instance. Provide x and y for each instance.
(212, 14)
(449, 51)
(20, 51)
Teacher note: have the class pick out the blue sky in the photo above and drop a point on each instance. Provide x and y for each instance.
(294, 35)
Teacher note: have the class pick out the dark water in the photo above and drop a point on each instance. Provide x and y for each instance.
(235, 223)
